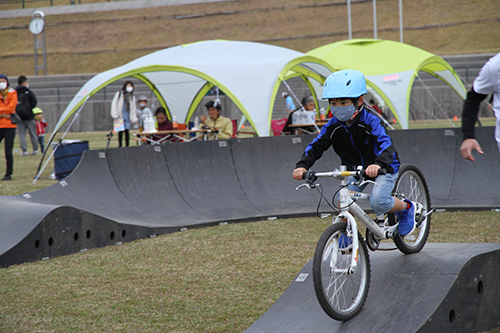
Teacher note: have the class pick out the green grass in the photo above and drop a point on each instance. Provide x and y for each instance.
(217, 279)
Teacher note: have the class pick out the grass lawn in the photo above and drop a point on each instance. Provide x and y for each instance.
(217, 279)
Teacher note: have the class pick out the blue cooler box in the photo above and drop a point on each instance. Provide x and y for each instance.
(67, 156)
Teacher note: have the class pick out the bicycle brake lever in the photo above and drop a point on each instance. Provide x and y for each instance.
(302, 185)
(309, 186)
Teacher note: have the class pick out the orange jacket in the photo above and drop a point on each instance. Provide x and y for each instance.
(8, 103)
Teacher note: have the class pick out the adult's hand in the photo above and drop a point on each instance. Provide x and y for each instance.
(203, 118)
(466, 149)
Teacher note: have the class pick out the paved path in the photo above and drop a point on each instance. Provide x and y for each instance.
(101, 7)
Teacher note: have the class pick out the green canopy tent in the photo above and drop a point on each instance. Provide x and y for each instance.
(390, 69)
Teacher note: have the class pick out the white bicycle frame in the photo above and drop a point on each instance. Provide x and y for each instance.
(350, 209)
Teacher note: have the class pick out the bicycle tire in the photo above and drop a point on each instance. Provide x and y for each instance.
(346, 298)
(412, 185)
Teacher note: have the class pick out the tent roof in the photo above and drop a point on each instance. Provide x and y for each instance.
(248, 73)
(390, 68)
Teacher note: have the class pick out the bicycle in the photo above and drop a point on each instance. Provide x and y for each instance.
(341, 263)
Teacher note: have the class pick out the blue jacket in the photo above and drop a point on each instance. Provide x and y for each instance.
(363, 143)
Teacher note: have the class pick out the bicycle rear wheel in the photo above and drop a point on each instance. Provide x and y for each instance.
(340, 293)
(411, 185)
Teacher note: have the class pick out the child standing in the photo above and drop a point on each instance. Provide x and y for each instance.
(358, 138)
(40, 127)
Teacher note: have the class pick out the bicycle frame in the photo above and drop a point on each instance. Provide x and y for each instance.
(350, 209)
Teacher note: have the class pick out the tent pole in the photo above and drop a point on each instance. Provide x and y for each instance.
(434, 99)
(40, 169)
(374, 19)
(301, 106)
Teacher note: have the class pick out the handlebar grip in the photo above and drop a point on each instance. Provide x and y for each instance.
(309, 176)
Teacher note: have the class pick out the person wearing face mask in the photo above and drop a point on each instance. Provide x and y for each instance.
(8, 103)
(26, 103)
(123, 108)
(359, 138)
(143, 111)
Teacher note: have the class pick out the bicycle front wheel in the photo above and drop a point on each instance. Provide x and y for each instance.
(341, 292)
(411, 185)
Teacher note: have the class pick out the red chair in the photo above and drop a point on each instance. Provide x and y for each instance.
(235, 128)
(277, 126)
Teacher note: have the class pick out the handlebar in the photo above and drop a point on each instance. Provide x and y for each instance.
(311, 176)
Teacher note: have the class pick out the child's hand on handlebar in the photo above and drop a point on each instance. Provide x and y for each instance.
(297, 173)
(372, 170)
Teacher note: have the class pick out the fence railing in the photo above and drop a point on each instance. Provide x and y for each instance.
(51, 3)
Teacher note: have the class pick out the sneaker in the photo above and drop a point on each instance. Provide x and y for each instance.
(7, 177)
(24, 153)
(406, 219)
(344, 241)
(35, 152)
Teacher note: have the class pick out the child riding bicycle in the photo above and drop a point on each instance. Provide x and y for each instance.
(358, 137)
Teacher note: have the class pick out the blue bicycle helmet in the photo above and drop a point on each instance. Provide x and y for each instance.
(347, 83)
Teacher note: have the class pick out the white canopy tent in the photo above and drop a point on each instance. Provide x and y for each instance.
(248, 73)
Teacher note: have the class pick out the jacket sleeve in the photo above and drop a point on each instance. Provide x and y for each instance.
(33, 100)
(315, 149)
(385, 150)
(10, 106)
(226, 131)
(469, 113)
(114, 106)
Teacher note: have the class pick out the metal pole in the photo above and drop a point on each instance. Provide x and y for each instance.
(400, 21)
(44, 54)
(36, 58)
(349, 18)
(374, 19)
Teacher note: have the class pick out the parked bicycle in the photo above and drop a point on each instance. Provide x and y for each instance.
(341, 263)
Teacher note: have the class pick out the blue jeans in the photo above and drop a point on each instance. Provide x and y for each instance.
(381, 199)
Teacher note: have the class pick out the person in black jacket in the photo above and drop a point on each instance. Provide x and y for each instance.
(359, 138)
(26, 102)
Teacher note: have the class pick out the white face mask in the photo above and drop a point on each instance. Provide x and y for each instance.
(129, 89)
(3, 85)
(142, 105)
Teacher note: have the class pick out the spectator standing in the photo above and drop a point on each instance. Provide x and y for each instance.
(488, 81)
(290, 106)
(124, 111)
(215, 120)
(40, 127)
(143, 111)
(8, 102)
(26, 102)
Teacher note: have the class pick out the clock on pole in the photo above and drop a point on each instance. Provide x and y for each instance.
(37, 28)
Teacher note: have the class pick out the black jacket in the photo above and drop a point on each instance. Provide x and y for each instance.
(31, 100)
(363, 143)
